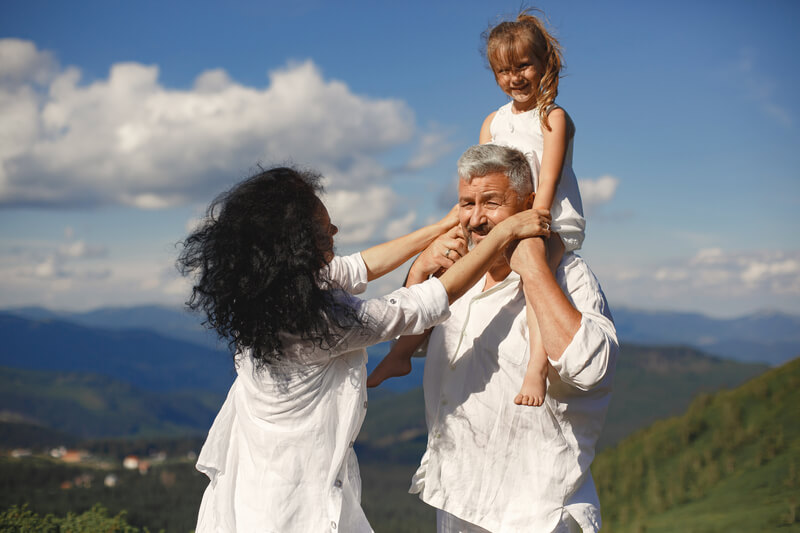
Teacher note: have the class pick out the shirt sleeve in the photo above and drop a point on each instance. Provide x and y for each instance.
(348, 272)
(592, 354)
(406, 311)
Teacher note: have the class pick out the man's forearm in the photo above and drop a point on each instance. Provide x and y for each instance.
(558, 319)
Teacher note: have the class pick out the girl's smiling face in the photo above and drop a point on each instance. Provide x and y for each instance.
(519, 78)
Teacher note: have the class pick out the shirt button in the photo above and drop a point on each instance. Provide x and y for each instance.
(338, 484)
(392, 301)
(333, 525)
(365, 404)
(352, 443)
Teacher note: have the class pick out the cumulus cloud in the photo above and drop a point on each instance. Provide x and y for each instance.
(128, 140)
(401, 226)
(362, 212)
(432, 146)
(710, 280)
(75, 274)
(63, 261)
(598, 191)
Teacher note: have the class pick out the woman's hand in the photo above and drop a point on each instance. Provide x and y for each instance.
(450, 219)
(440, 255)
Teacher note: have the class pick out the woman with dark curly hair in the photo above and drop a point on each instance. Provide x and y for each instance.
(279, 455)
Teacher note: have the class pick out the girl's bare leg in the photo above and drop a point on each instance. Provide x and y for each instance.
(534, 384)
(398, 361)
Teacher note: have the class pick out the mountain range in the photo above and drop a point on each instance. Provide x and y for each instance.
(98, 382)
(763, 337)
(766, 337)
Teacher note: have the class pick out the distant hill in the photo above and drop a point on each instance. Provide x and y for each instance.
(653, 382)
(142, 358)
(93, 406)
(730, 463)
(767, 337)
(32, 436)
(175, 323)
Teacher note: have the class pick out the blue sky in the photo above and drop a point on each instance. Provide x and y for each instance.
(121, 120)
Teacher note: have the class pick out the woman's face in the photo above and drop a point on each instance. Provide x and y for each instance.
(325, 233)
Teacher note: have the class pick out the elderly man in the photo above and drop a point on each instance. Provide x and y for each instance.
(491, 465)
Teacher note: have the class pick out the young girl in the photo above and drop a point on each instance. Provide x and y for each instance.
(526, 61)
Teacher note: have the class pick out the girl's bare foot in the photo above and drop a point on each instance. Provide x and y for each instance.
(534, 388)
(390, 367)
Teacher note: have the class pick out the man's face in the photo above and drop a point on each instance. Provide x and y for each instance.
(485, 202)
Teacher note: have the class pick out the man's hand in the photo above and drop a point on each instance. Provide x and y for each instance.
(439, 256)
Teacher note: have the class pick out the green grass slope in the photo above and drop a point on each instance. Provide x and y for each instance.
(730, 463)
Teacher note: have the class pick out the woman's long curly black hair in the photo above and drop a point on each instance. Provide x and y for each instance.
(258, 256)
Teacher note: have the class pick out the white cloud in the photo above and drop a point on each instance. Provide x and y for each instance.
(400, 226)
(359, 214)
(80, 250)
(129, 140)
(432, 146)
(21, 62)
(713, 280)
(598, 191)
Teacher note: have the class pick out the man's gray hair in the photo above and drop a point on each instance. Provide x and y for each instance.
(483, 159)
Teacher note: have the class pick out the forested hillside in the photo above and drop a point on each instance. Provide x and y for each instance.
(730, 463)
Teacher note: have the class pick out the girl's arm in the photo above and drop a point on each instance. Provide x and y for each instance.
(486, 134)
(467, 271)
(556, 140)
(385, 257)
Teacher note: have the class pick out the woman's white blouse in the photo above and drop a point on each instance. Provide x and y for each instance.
(279, 455)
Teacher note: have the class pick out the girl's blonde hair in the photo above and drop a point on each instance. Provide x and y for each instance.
(528, 35)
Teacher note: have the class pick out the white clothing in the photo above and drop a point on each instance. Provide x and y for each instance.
(523, 131)
(449, 523)
(279, 455)
(506, 467)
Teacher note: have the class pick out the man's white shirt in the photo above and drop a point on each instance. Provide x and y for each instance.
(502, 466)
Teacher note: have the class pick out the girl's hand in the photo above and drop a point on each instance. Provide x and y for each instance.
(441, 254)
(528, 223)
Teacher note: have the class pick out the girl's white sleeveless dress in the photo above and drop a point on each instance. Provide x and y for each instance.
(523, 131)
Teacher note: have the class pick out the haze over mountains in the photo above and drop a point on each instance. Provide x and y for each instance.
(767, 337)
(124, 372)
(763, 337)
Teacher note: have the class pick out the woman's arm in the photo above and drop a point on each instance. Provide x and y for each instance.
(556, 140)
(440, 255)
(385, 257)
